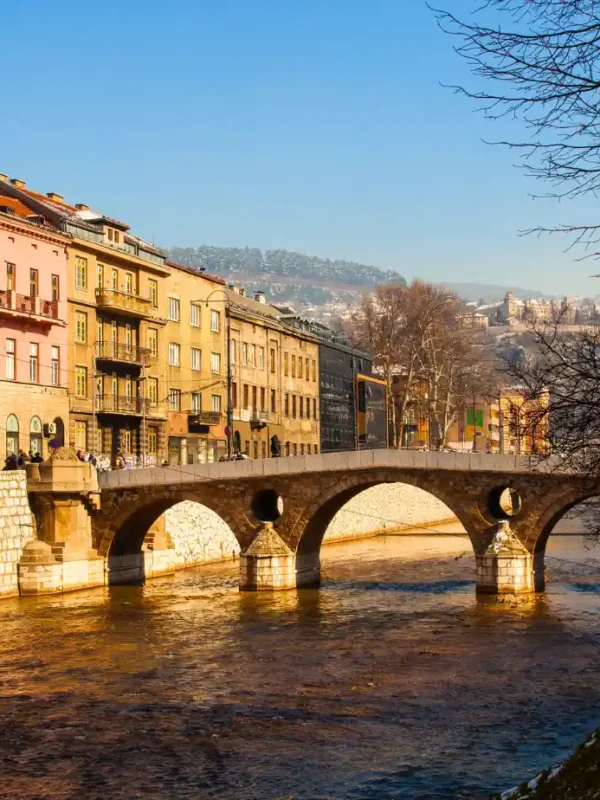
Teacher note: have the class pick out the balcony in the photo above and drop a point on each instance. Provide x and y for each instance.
(204, 418)
(259, 418)
(121, 404)
(126, 353)
(17, 305)
(131, 305)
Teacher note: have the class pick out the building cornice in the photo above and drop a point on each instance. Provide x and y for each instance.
(24, 228)
(95, 247)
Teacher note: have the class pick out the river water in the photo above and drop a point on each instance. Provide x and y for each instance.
(390, 681)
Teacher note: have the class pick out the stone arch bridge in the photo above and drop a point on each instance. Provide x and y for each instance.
(279, 510)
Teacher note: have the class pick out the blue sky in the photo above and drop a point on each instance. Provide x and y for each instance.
(315, 125)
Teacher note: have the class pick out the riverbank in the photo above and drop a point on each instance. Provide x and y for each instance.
(576, 778)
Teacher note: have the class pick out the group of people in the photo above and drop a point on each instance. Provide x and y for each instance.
(88, 458)
(18, 461)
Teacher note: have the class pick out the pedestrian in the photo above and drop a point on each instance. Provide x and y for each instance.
(37, 459)
(11, 462)
(92, 459)
(80, 455)
(120, 462)
(22, 459)
(275, 447)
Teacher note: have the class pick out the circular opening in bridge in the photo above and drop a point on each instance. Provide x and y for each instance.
(504, 502)
(267, 505)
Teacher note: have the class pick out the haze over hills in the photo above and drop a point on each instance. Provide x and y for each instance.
(310, 283)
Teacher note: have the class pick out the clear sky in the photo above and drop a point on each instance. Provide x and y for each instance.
(315, 125)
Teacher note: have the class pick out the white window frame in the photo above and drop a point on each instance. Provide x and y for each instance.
(215, 321)
(195, 315)
(196, 359)
(215, 363)
(174, 309)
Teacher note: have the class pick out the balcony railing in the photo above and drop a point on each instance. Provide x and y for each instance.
(204, 417)
(121, 404)
(26, 304)
(123, 301)
(259, 418)
(112, 351)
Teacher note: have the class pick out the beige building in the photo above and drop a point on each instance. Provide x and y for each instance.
(193, 351)
(275, 388)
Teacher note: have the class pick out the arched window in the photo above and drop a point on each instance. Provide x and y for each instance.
(12, 435)
(35, 435)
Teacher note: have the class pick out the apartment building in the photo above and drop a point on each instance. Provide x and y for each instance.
(196, 367)
(33, 334)
(275, 387)
(117, 312)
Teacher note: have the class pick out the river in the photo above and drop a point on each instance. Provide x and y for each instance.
(391, 681)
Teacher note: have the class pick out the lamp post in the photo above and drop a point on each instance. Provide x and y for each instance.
(225, 300)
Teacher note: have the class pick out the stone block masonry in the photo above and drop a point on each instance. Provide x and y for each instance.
(17, 528)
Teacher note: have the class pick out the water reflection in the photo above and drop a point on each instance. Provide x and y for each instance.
(391, 680)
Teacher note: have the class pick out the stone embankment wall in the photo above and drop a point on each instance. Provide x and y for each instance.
(17, 527)
(199, 536)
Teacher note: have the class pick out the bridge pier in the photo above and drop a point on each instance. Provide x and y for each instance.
(267, 564)
(506, 566)
(62, 493)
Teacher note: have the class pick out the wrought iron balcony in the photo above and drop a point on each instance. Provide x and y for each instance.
(15, 304)
(132, 305)
(130, 354)
(204, 417)
(121, 404)
(259, 418)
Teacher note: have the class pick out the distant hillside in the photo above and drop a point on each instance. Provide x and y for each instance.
(305, 281)
(489, 292)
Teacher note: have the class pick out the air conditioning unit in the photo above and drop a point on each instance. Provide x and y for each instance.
(50, 429)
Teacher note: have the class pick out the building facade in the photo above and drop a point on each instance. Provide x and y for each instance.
(33, 334)
(274, 381)
(196, 366)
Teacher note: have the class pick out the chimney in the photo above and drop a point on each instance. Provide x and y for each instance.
(3, 177)
(235, 289)
(18, 183)
(82, 206)
(56, 197)
(260, 297)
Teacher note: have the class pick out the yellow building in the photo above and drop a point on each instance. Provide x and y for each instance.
(196, 368)
(275, 388)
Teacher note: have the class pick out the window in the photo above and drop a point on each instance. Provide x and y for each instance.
(299, 366)
(295, 449)
(215, 321)
(10, 350)
(272, 360)
(55, 283)
(110, 234)
(307, 370)
(254, 397)
(195, 315)
(232, 351)
(273, 401)
(80, 434)
(153, 341)
(129, 283)
(315, 410)
(12, 434)
(247, 447)
(287, 448)
(34, 362)
(255, 448)
(81, 273)
(117, 237)
(174, 399)
(301, 407)
(314, 370)
(293, 366)
(244, 354)
(263, 448)
(252, 355)
(293, 406)
(81, 381)
(152, 441)
(174, 354)
(285, 364)
(55, 366)
(234, 395)
(114, 387)
(174, 309)
(100, 276)
(301, 449)
(245, 391)
(126, 441)
(308, 449)
(195, 358)
(11, 274)
(81, 327)
(315, 449)
(114, 333)
(128, 388)
(128, 336)
(261, 357)
(308, 408)
(263, 400)
(196, 402)
(287, 405)
(153, 391)
(35, 435)
(215, 363)
(153, 292)
(114, 280)
(215, 403)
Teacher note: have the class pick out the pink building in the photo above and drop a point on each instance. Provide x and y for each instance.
(34, 404)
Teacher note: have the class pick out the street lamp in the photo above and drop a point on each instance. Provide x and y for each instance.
(226, 301)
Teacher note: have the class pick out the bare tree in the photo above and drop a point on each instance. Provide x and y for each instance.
(539, 62)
